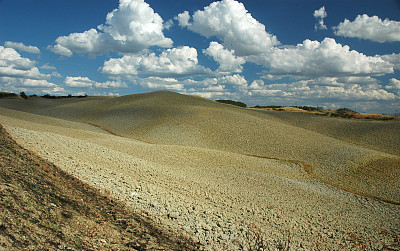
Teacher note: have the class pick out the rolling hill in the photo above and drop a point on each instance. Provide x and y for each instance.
(351, 156)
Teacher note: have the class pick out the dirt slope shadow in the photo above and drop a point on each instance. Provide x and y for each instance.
(42, 207)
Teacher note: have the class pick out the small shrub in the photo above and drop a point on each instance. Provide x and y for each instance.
(23, 95)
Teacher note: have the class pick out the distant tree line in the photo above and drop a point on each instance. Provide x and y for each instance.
(8, 95)
(23, 95)
(69, 96)
(306, 108)
(232, 102)
(268, 106)
(310, 108)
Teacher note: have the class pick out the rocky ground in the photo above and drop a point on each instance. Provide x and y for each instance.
(223, 201)
(216, 176)
(44, 208)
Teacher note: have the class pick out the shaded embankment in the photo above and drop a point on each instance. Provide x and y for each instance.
(42, 207)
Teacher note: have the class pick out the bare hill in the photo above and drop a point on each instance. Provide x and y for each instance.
(194, 172)
(169, 118)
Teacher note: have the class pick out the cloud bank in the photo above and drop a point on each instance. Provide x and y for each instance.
(85, 82)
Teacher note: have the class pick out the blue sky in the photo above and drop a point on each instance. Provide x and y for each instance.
(288, 52)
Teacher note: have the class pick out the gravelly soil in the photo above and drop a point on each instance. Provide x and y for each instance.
(217, 198)
(44, 208)
(174, 119)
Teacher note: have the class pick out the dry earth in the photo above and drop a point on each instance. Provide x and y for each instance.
(174, 119)
(44, 208)
(221, 174)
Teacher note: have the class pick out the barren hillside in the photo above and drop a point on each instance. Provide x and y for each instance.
(213, 170)
(338, 151)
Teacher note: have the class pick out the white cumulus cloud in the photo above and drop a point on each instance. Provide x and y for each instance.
(322, 59)
(171, 62)
(168, 24)
(89, 41)
(372, 28)
(22, 47)
(233, 80)
(320, 14)
(78, 82)
(56, 74)
(22, 82)
(394, 59)
(209, 93)
(48, 67)
(15, 66)
(61, 50)
(394, 84)
(205, 83)
(110, 84)
(130, 28)
(257, 84)
(85, 82)
(161, 83)
(10, 58)
(229, 21)
(183, 18)
(20, 74)
(227, 60)
(207, 87)
(356, 92)
(36, 83)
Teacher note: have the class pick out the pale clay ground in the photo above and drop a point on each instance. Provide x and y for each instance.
(215, 197)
